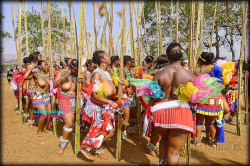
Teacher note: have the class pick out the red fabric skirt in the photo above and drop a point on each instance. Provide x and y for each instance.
(174, 118)
(67, 104)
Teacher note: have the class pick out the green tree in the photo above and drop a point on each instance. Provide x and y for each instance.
(227, 29)
(35, 30)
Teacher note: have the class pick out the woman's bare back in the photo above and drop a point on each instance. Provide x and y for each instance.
(170, 78)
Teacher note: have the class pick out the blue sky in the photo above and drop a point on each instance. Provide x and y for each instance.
(9, 46)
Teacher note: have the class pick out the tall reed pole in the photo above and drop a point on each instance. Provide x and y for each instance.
(14, 32)
(201, 44)
(51, 63)
(26, 29)
(110, 29)
(43, 35)
(64, 38)
(104, 27)
(191, 34)
(243, 44)
(119, 125)
(160, 27)
(157, 28)
(212, 32)
(19, 14)
(85, 30)
(197, 34)
(145, 30)
(246, 121)
(177, 22)
(132, 43)
(78, 102)
(171, 21)
(58, 38)
(71, 30)
(95, 31)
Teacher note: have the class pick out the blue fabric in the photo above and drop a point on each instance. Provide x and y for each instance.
(217, 72)
(233, 107)
(157, 92)
(221, 133)
(125, 104)
(209, 110)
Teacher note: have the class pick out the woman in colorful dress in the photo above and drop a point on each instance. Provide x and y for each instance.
(41, 95)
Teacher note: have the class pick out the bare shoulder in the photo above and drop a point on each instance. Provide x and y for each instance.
(95, 77)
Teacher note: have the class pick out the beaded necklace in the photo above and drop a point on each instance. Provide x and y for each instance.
(128, 73)
(104, 74)
(39, 75)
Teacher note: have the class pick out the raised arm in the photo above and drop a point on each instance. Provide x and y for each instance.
(28, 74)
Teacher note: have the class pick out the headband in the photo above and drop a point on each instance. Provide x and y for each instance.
(203, 59)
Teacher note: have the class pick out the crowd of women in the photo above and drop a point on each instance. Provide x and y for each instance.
(175, 101)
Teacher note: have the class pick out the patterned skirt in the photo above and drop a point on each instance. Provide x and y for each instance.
(169, 115)
(66, 102)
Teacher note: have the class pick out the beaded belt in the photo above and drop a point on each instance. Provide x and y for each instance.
(67, 95)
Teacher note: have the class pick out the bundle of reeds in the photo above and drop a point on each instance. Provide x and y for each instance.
(119, 125)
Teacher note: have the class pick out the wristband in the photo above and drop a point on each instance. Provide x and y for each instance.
(111, 102)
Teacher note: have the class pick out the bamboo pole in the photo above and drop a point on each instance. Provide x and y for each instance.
(95, 32)
(243, 44)
(201, 48)
(197, 34)
(140, 38)
(132, 43)
(58, 37)
(171, 21)
(14, 32)
(26, 29)
(110, 29)
(212, 32)
(92, 43)
(19, 11)
(128, 34)
(74, 36)
(51, 62)
(81, 33)
(43, 35)
(157, 28)
(104, 27)
(191, 34)
(246, 121)
(78, 103)
(137, 30)
(139, 55)
(160, 27)
(71, 30)
(119, 125)
(64, 38)
(188, 153)
(177, 21)
(145, 29)
(85, 31)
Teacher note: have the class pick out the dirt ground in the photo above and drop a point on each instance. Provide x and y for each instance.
(20, 145)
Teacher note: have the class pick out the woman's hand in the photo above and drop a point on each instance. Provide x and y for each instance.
(121, 82)
(80, 80)
(114, 105)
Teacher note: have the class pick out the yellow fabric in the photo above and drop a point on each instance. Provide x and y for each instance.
(126, 83)
(148, 76)
(207, 113)
(221, 112)
(101, 92)
(227, 70)
(185, 91)
(205, 69)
